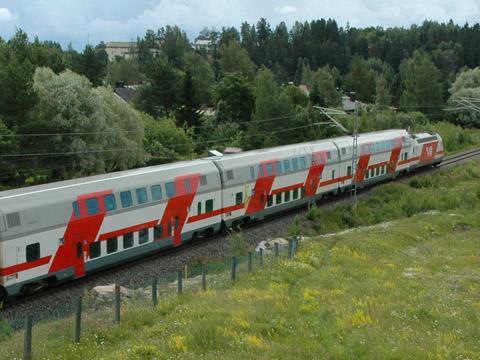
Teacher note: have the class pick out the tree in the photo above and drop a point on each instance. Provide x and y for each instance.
(296, 96)
(234, 59)
(466, 85)
(159, 95)
(274, 115)
(188, 113)
(92, 65)
(174, 45)
(202, 76)
(9, 146)
(125, 131)
(66, 104)
(421, 88)
(164, 141)
(382, 98)
(125, 71)
(361, 80)
(236, 98)
(323, 91)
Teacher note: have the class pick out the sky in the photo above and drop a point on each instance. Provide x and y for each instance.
(82, 21)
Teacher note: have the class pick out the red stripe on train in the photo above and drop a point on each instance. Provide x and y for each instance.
(24, 266)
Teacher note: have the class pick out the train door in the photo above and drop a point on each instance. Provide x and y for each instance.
(11, 255)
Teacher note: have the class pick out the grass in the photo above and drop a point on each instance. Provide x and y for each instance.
(404, 285)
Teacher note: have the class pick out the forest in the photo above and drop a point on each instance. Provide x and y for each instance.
(252, 87)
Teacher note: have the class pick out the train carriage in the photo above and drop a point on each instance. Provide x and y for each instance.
(67, 229)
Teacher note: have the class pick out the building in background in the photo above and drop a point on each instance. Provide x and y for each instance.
(124, 50)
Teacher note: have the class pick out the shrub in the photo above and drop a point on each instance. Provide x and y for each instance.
(237, 245)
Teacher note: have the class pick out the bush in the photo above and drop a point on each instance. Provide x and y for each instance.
(237, 245)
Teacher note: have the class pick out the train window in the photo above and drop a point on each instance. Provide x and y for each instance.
(302, 192)
(126, 198)
(349, 170)
(142, 196)
(92, 206)
(260, 170)
(79, 249)
(127, 240)
(33, 252)
(209, 206)
(230, 175)
(377, 171)
(329, 155)
(252, 172)
(110, 202)
(287, 195)
(156, 192)
(303, 163)
(295, 164)
(278, 198)
(157, 232)
(76, 209)
(286, 165)
(177, 222)
(278, 168)
(143, 236)
(269, 201)
(112, 245)
(262, 199)
(367, 174)
(383, 169)
(239, 198)
(95, 250)
(333, 174)
(295, 194)
(199, 208)
(372, 172)
(203, 180)
(406, 155)
(269, 169)
(188, 188)
(170, 188)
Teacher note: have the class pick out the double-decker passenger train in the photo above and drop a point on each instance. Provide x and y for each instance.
(65, 230)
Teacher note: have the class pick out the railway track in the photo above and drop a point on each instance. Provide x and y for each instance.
(162, 263)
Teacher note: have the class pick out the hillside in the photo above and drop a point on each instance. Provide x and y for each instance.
(406, 288)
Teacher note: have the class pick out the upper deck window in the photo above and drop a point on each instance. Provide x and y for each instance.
(126, 198)
(142, 196)
(110, 202)
(76, 209)
(170, 188)
(92, 206)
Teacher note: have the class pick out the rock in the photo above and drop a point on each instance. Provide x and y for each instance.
(106, 293)
(269, 245)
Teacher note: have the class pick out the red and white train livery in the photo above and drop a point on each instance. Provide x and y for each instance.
(64, 230)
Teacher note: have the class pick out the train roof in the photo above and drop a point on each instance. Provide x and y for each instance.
(103, 177)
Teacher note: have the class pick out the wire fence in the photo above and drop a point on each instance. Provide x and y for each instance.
(113, 299)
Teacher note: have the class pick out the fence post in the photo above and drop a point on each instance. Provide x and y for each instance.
(234, 268)
(290, 248)
(117, 303)
(250, 265)
(27, 340)
(276, 249)
(78, 320)
(154, 292)
(261, 257)
(204, 277)
(295, 246)
(179, 281)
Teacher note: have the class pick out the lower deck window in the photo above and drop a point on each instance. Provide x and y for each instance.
(238, 198)
(127, 240)
(278, 198)
(287, 195)
(33, 252)
(209, 206)
(143, 236)
(95, 250)
(295, 194)
(270, 201)
(112, 245)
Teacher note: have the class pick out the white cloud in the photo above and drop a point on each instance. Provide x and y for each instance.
(6, 15)
(285, 9)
